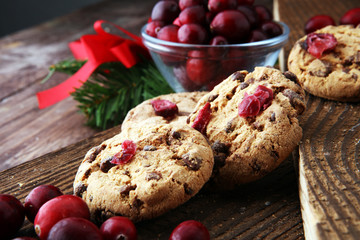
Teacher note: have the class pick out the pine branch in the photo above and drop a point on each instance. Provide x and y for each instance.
(112, 90)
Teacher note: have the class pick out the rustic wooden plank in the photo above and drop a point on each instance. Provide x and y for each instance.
(266, 209)
(329, 152)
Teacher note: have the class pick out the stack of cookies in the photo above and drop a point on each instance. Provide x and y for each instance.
(172, 146)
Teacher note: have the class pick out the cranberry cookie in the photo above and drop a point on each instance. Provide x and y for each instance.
(334, 74)
(145, 113)
(250, 120)
(142, 174)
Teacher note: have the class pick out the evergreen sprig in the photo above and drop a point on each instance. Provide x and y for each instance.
(112, 90)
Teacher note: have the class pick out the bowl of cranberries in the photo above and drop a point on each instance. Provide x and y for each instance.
(197, 43)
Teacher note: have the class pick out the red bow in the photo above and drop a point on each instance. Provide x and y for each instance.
(96, 49)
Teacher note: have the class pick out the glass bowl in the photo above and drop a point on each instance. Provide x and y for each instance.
(192, 67)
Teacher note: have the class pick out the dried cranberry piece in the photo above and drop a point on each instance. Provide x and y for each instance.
(128, 151)
(318, 43)
(249, 106)
(264, 95)
(203, 118)
(164, 108)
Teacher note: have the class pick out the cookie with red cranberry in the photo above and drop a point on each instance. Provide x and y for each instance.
(327, 63)
(148, 111)
(250, 120)
(143, 173)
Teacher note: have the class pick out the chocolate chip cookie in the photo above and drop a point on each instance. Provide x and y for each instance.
(336, 74)
(142, 174)
(250, 120)
(144, 113)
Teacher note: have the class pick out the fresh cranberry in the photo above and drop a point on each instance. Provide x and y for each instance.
(218, 40)
(200, 69)
(181, 75)
(245, 2)
(24, 238)
(233, 61)
(318, 22)
(218, 52)
(264, 95)
(177, 22)
(250, 14)
(271, 29)
(165, 11)
(263, 13)
(221, 5)
(318, 43)
(192, 34)
(168, 33)
(193, 14)
(118, 228)
(249, 106)
(12, 215)
(188, 3)
(231, 24)
(56, 209)
(164, 108)
(153, 27)
(128, 151)
(190, 230)
(203, 118)
(74, 228)
(209, 16)
(351, 17)
(37, 197)
(256, 35)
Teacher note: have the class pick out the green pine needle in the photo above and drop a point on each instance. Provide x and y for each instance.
(112, 90)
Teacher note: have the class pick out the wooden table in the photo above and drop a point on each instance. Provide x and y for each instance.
(46, 146)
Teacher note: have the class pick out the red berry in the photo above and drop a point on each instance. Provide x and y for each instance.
(190, 230)
(184, 80)
(202, 119)
(271, 29)
(74, 228)
(153, 27)
(165, 11)
(56, 209)
(221, 5)
(264, 95)
(318, 22)
(351, 17)
(24, 238)
(192, 34)
(177, 22)
(231, 24)
(118, 228)
(12, 215)
(318, 43)
(128, 151)
(263, 13)
(250, 14)
(249, 106)
(164, 108)
(245, 2)
(218, 40)
(194, 14)
(199, 67)
(37, 197)
(218, 52)
(168, 33)
(188, 3)
(256, 35)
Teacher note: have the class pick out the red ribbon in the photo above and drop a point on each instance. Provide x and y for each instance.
(96, 49)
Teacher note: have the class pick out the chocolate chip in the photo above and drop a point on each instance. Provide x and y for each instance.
(303, 45)
(220, 147)
(137, 203)
(187, 189)
(291, 76)
(175, 134)
(357, 58)
(274, 154)
(153, 176)
(239, 76)
(91, 156)
(125, 189)
(219, 160)
(323, 72)
(258, 126)
(212, 97)
(349, 61)
(295, 100)
(192, 163)
(106, 165)
(243, 85)
(354, 76)
(229, 126)
(272, 117)
(79, 189)
(149, 148)
(346, 70)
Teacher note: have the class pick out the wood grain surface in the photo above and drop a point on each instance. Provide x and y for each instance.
(329, 153)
